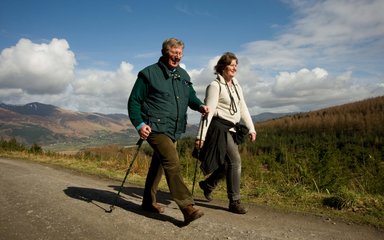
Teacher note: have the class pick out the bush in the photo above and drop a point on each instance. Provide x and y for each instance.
(35, 149)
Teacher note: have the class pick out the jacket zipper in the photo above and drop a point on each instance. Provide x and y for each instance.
(174, 86)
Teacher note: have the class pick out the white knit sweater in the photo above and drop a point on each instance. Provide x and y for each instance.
(218, 100)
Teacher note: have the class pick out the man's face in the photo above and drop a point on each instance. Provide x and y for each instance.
(174, 56)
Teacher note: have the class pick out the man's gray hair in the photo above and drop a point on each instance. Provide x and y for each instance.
(170, 43)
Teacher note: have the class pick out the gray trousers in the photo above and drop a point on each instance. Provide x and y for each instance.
(231, 171)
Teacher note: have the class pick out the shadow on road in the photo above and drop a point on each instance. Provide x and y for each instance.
(97, 196)
(206, 204)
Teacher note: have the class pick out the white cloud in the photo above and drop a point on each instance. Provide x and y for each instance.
(302, 83)
(337, 22)
(46, 73)
(104, 83)
(37, 68)
(343, 33)
(331, 53)
(202, 77)
(101, 91)
(342, 42)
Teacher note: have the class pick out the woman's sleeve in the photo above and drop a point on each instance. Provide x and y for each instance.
(211, 100)
(245, 115)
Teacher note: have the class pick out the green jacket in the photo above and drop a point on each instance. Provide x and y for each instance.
(161, 99)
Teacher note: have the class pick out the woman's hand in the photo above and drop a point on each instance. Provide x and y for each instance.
(252, 136)
(199, 143)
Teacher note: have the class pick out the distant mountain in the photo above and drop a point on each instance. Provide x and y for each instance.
(56, 128)
(59, 129)
(47, 124)
(269, 116)
(37, 109)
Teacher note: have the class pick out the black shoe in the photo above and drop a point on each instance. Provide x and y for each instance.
(237, 207)
(153, 208)
(207, 191)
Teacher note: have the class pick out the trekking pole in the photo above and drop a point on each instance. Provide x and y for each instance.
(203, 118)
(139, 143)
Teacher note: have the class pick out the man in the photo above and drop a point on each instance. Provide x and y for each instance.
(157, 107)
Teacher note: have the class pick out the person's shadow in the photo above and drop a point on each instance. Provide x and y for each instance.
(97, 196)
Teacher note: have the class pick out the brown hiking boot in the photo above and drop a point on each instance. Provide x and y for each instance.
(191, 214)
(237, 207)
(154, 208)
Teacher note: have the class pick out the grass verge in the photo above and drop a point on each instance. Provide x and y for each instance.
(347, 207)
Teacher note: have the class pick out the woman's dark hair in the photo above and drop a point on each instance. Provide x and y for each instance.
(225, 60)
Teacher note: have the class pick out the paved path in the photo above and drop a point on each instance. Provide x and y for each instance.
(42, 202)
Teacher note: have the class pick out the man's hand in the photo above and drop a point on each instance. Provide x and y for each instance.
(144, 131)
(204, 110)
(199, 143)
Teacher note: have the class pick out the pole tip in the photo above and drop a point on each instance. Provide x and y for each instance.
(110, 209)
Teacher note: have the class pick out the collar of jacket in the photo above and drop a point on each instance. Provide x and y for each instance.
(167, 73)
(222, 80)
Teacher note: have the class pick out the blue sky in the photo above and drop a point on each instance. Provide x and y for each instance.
(294, 55)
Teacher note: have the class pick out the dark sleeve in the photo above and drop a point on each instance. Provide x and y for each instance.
(136, 99)
(194, 102)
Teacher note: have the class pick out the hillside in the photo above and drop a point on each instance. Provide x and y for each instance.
(60, 129)
(47, 124)
(340, 148)
(366, 116)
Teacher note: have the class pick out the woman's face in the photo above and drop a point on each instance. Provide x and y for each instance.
(174, 56)
(231, 69)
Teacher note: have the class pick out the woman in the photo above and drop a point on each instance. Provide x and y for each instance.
(217, 137)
